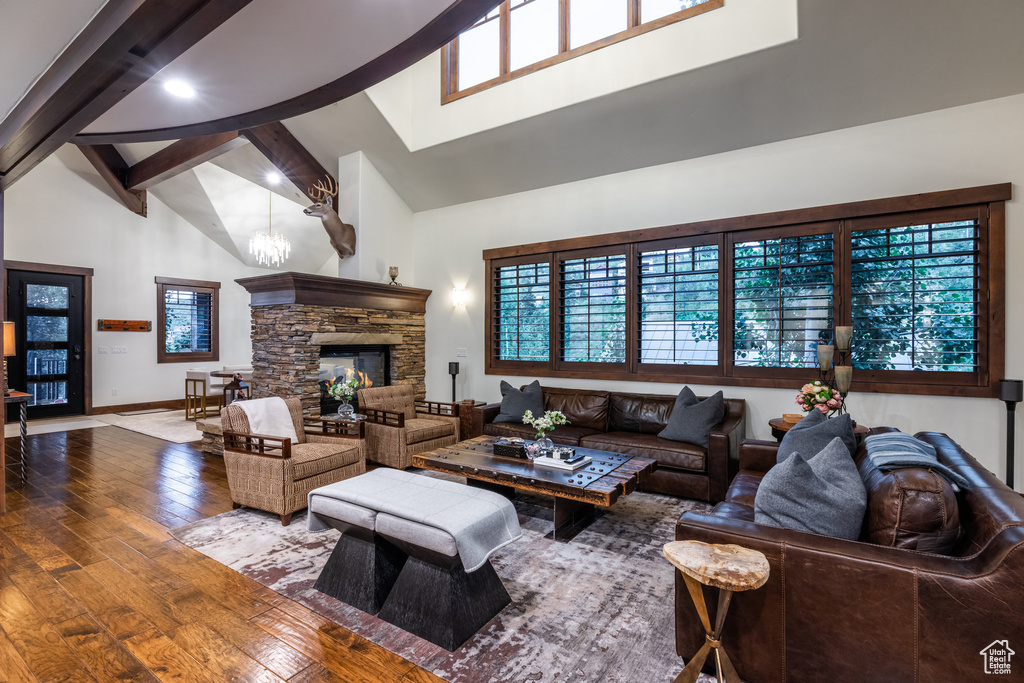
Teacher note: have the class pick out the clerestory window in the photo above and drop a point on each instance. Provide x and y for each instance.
(521, 36)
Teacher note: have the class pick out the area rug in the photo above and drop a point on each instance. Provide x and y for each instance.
(599, 608)
(169, 426)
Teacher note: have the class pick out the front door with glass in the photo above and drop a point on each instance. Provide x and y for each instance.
(48, 310)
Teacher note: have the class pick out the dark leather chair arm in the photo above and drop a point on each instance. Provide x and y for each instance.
(759, 456)
(486, 413)
(258, 444)
(724, 441)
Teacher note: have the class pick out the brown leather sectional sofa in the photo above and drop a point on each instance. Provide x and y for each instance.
(836, 610)
(629, 423)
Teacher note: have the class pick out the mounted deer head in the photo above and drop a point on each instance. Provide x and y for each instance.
(341, 234)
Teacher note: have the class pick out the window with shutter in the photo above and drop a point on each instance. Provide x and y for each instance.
(678, 319)
(187, 320)
(522, 311)
(592, 294)
(915, 299)
(782, 299)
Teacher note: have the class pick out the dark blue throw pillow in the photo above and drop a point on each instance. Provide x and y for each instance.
(814, 432)
(515, 402)
(692, 419)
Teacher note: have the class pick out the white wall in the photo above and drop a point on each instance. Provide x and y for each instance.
(81, 225)
(410, 100)
(383, 223)
(963, 147)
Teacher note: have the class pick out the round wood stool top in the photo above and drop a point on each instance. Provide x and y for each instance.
(730, 567)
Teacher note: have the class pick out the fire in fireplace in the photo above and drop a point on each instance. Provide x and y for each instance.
(371, 364)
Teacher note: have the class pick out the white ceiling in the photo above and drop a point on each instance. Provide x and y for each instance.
(32, 35)
(269, 52)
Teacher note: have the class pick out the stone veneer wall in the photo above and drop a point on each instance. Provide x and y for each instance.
(286, 363)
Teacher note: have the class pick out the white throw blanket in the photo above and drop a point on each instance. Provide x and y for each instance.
(269, 417)
(480, 521)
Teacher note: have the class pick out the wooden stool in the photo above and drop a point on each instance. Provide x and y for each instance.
(729, 568)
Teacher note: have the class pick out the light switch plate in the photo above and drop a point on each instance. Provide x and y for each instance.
(460, 352)
(104, 350)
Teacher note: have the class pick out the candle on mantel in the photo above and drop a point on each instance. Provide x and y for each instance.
(825, 352)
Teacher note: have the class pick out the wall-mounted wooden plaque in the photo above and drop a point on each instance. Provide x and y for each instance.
(124, 325)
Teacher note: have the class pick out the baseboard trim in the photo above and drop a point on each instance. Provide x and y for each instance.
(174, 404)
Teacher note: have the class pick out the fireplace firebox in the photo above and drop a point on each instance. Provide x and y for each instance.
(370, 364)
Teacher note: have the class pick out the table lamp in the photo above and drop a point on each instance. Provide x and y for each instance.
(9, 350)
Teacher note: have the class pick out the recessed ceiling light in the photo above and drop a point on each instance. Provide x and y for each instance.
(273, 178)
(179, 88)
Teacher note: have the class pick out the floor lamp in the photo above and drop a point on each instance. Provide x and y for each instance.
(453, 370)
(1011, 391)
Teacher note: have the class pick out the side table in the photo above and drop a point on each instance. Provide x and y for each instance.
(730, 568)
(22, 399)
(780, 427)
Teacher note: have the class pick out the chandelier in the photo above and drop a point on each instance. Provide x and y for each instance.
(270, 249)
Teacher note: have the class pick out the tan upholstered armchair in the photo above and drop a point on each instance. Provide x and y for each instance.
(272, 473)
(398, 426)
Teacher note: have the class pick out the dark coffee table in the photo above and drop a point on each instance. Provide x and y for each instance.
(576, 493)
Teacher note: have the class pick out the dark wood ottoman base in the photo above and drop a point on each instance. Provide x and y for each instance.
(435, 599)
(362, 568)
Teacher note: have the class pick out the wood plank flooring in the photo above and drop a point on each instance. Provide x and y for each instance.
(93, 588)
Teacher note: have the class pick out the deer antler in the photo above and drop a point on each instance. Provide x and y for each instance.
(322, 190)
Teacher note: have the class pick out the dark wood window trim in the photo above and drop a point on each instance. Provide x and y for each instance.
(986, 202)
(450, 53)
(201, 286)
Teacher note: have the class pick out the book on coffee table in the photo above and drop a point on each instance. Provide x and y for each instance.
(561, 464)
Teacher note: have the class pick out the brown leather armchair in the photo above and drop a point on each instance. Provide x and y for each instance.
(837, 610)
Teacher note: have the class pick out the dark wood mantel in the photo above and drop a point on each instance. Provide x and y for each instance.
(321, 290)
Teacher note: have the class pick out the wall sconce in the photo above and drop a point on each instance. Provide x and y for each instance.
(458, 297)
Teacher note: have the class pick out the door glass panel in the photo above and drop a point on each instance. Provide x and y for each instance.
(47, 329)
(47, 362)
(47, 393)
(46, 296)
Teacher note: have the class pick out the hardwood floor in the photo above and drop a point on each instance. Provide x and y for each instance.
(93, 588)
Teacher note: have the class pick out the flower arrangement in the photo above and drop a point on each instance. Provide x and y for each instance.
(547, 423)
(819, 395)
(344, 391)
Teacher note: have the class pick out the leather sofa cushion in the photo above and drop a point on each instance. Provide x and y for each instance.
(911, 508)
(741, 513)
(673, 454)
(641, 413)
(743, 488)
(587, 409)
(565, 435)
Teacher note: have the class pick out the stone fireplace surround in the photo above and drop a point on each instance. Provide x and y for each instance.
(294, 314)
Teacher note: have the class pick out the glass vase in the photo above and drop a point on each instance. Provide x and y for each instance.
(546, 444)
(345, 409)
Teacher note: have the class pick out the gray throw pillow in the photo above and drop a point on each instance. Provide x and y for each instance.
(820, 495)
(814, 432)
(515, 402)
(692, 419)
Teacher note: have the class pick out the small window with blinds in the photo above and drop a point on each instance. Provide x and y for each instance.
(782, 300)
(522, 312)
(678, 319)
(592, 293)
(915, 300)
(187, 320)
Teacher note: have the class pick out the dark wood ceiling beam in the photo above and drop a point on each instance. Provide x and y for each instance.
(120, 50)
(294, 161)
(114, 170)
(180, 157)
(443, 28)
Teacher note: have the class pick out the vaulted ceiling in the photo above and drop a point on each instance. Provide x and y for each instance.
(854, 63)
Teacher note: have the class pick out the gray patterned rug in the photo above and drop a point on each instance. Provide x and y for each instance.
(599, 608)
